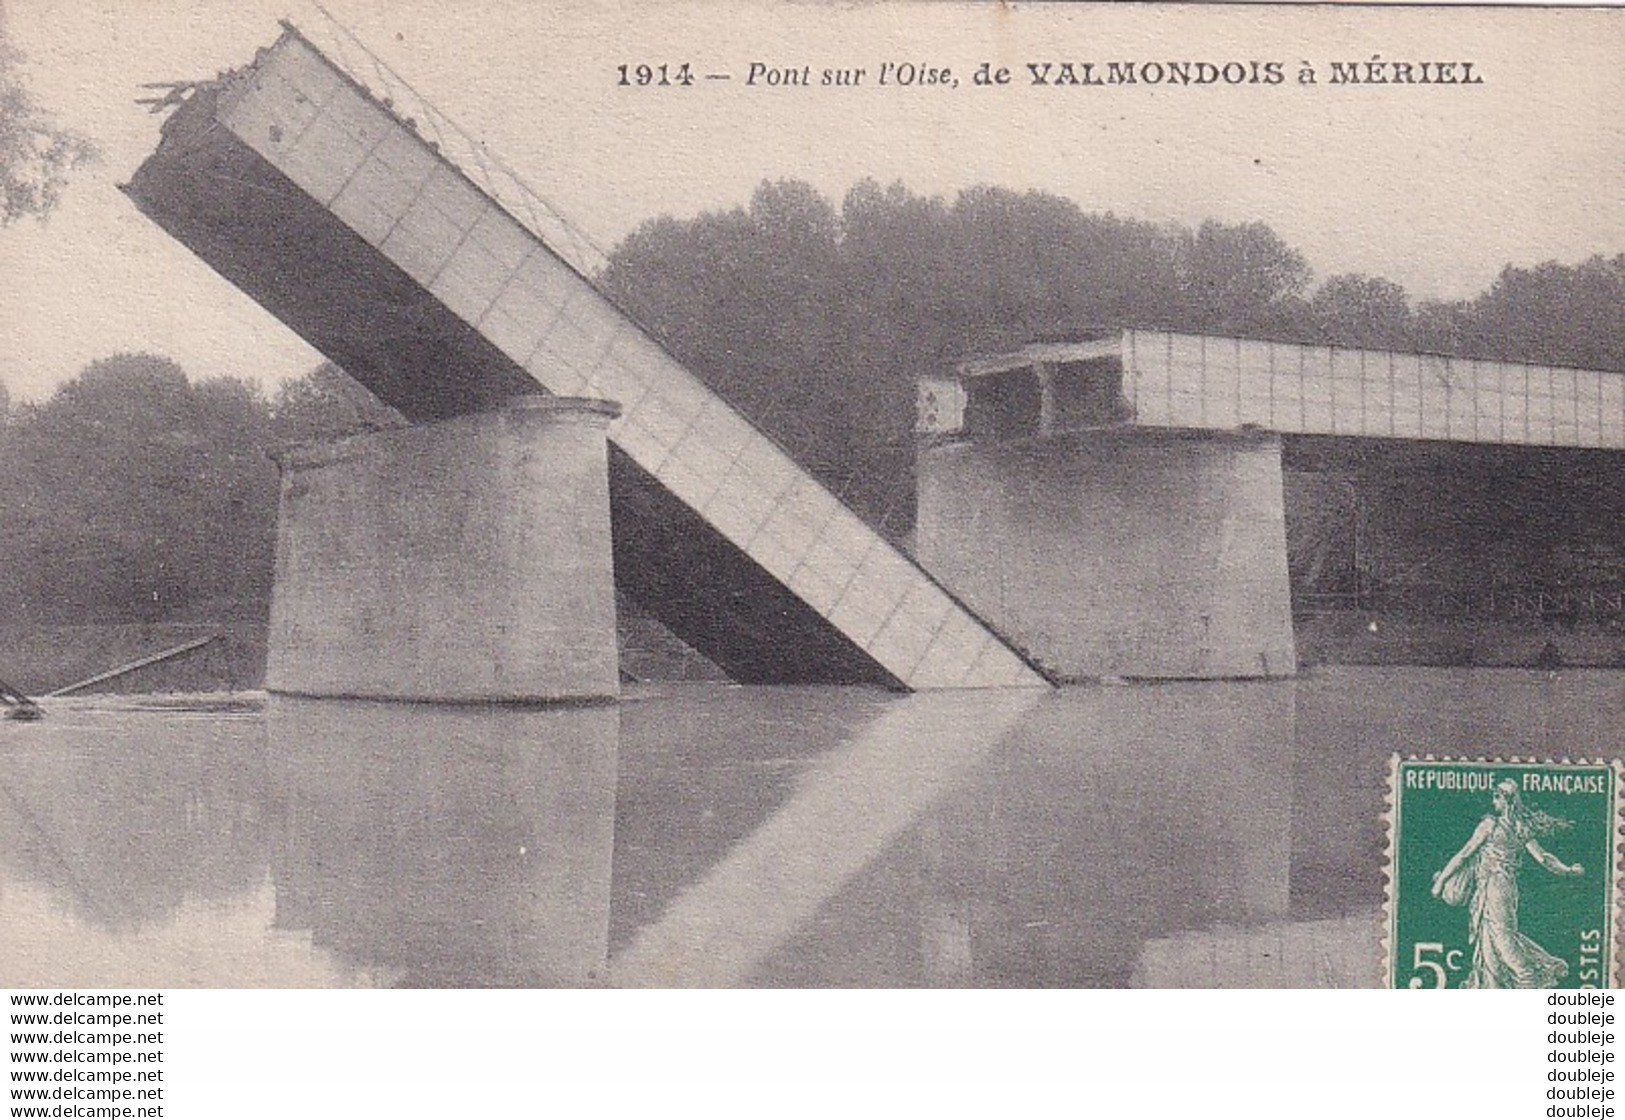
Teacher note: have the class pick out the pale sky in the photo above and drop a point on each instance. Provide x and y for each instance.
(1436, 187)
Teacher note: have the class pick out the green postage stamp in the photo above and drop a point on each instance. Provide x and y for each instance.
(1502, 874)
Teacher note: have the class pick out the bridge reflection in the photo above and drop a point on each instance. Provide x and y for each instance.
(932, 839)
(1196, 833)
(446, 846)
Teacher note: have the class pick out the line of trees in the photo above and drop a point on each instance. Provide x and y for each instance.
(136, 494)
(818, 320)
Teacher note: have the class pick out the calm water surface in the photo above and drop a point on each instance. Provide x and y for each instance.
(1180, 834)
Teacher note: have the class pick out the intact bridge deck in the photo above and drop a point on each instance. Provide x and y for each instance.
(1196, 382)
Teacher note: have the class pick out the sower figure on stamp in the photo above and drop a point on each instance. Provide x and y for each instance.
(1484, 874)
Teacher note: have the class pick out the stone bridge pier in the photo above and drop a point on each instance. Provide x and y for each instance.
(1125, 553)
(466, 560)
(1102, 547)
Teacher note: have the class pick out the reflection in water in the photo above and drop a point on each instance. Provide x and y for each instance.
(1179, 834)
(202, 943)
(1106, 816)
(133, 854)
(448, 845)
(845, 811)
(1323, 953)
(702, 767)
(124, 815)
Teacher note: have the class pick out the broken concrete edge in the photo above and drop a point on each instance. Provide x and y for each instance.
(535, 408)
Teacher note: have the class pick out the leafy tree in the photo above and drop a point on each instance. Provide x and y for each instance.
(893, 324)
(325, 404)
(36, 154)
(743, 298)
(1363, 311)
(1441, 327)
(1236, 279)
(818, 323)
(138, 495)
(1553, 313)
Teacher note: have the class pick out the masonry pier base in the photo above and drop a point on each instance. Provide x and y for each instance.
(1118, 552)
(463, 560)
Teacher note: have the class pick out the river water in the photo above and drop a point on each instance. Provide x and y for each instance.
(1190, 834)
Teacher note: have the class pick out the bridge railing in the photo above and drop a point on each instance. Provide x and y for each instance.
(454, 143)
(889, 512)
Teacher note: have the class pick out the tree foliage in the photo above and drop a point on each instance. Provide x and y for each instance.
(136, 494)
(1360, 311)
(819, 321)
(36, 154)
(1559, 314)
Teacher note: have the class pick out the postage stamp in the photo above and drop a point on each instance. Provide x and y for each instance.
(1502, 874)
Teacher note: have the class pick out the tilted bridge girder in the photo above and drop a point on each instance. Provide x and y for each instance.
(304, 190)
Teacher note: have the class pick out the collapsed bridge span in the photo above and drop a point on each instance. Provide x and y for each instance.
(330, 210)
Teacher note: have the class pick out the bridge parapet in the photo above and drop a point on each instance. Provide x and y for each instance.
(1163, 379)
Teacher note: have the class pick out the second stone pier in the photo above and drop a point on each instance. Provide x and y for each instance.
(1101, 547)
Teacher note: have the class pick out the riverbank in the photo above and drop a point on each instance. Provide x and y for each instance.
(1367, 638)
(37, 659)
